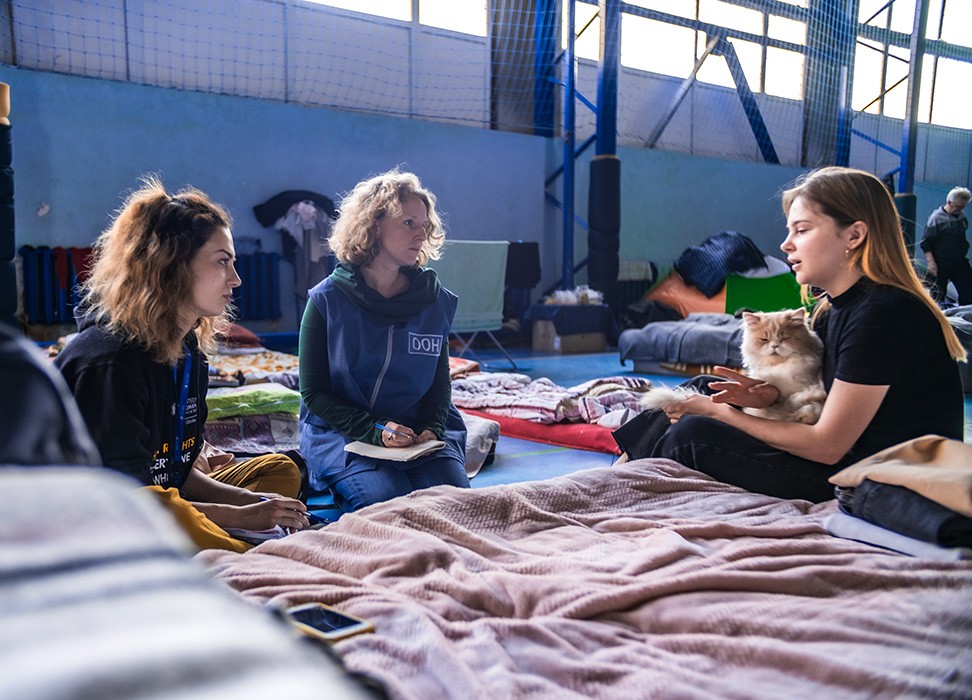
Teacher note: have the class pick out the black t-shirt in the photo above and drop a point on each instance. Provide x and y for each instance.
(130, 404)
(880, 335)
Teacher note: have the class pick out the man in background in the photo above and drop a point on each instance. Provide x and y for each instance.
(945, 247)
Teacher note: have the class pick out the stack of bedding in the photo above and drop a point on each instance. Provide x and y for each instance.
(254, 418)
(915, 497)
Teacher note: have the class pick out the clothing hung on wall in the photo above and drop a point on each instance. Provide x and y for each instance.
(307, 228)
(304, 219)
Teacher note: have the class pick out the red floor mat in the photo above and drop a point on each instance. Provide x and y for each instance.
(580, 436)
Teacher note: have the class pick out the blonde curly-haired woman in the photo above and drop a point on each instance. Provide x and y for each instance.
(374, 350)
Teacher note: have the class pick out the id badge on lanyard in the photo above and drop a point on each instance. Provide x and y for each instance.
(180, 417)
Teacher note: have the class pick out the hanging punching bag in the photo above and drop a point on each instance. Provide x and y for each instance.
(604, 219)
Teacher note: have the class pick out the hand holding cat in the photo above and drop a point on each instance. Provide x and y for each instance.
(741, 390)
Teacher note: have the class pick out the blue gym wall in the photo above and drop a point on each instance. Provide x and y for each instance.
(80, 143)
(672, 200)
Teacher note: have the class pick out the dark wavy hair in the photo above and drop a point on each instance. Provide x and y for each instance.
(140, 275)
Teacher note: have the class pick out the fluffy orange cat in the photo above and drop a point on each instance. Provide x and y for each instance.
(778, 348)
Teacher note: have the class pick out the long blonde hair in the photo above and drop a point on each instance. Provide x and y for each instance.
(140, 276)
(354, 238)
(848, 195)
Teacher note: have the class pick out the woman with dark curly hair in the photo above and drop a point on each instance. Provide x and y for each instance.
(157, 295)
(374, 351)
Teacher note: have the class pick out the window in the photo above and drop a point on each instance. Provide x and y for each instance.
(679, 8)
(786, 30)
(876, 61)
(784, 73)
(715, 70)
(393, 9)
(868, 62)
(588, 25)
(955, 23)
(880, 70)
(465, 16)
(669, 49)
(731, 16)
(951, 106)
(656, 46)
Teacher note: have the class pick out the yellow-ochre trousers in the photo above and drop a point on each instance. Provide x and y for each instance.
(274, 473)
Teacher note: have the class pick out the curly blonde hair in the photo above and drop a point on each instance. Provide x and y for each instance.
(848, 195)
(140, 274)
(354, 238)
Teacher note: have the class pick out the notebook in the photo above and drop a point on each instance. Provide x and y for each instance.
(396, 454)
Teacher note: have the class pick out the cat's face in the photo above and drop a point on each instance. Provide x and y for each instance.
(772, 337)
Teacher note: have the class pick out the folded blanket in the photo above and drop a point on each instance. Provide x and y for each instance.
(904, 511)
(938, 468)
(849, 527)
(707, 265)
(254, 435)
(250, 400)
(698, 339)
(481, 436)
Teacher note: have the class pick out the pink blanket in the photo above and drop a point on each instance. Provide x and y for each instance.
(639, 580)
(542, 401)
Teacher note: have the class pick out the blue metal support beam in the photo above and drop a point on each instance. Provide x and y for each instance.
(905, 199)
(750, 106)
(604, 195)
(908, 139)
(607, 83)
(588, 142)
(545, 41)
(681, 93)
(718, 45)
(569, 68)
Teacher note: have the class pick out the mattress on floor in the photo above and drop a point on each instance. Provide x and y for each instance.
(698, 339)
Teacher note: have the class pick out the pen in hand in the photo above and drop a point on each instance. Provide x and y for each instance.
(307, 514)
(382, 426)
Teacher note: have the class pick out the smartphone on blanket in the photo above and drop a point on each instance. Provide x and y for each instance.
(324, 622)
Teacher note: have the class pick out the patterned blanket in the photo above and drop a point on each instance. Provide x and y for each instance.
(640, 580)
(259, 364)
(543, 401)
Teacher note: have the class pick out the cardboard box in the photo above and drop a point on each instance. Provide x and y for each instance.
(545, 339)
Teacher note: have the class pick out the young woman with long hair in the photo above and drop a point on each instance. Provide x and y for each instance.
(157, 294)
(889, 356)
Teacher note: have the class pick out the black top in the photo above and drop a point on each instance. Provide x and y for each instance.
(880, 335)
(944, 237)
(129, 403)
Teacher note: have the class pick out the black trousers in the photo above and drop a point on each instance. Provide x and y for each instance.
(959, 274)
(725, 453)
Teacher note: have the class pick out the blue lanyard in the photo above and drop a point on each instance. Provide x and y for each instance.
(180, 420)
